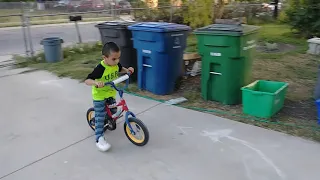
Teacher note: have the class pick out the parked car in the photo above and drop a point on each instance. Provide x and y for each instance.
(81, 5)
(62, 4)
(271, 5)
(124, 5)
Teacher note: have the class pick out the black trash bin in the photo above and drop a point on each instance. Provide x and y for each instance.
(117, 31)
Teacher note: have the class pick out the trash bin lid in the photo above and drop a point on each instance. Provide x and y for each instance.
(227, 29)
(115, 24)
(159, 27)
(314, 40)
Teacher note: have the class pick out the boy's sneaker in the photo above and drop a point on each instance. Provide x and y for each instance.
(102, 144)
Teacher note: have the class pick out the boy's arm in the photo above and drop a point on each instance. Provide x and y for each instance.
(95, 74)
(125, 70)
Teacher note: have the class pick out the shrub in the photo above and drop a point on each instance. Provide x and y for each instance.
(198, 13)
(283, 17)
(161, 14)
(138, 4)
(303, 16)
(254, 13)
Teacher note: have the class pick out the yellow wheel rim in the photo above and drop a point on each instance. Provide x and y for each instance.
(138, 130)
(90, 116)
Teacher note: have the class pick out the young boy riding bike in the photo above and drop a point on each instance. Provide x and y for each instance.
(106, 71)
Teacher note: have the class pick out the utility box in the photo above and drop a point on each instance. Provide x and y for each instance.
(314, 46)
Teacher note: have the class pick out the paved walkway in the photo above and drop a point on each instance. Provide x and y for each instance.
(44, 135)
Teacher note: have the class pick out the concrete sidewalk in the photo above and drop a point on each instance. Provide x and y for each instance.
(44, 135)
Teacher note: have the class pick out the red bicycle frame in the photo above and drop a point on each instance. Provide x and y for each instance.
(124, 108)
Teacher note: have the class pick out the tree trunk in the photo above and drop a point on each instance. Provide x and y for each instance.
(220, 11)
(275, 12)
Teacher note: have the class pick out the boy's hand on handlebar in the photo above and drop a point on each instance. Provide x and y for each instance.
(130, 70)
(99, 84)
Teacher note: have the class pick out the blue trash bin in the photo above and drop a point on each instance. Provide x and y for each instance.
(160, 49)
(318, 109)
(52, 49)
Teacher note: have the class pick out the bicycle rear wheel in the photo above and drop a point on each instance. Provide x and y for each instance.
(90, 118)
(91, 121)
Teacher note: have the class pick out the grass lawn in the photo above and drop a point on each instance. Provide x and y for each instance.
(290, 64)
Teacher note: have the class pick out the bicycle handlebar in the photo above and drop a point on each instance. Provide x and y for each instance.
(119, 80)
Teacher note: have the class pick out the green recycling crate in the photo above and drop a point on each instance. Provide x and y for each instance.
(263, 98)
(227, 51)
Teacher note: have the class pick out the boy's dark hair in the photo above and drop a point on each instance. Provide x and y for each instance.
(110, 47)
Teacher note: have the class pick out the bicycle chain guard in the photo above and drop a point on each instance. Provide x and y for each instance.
(112, 125)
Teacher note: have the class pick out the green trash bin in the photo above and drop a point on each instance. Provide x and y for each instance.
(226, 51)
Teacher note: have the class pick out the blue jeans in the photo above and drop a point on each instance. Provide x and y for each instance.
(100, 115)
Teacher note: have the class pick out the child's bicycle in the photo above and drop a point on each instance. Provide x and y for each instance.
(134, 128)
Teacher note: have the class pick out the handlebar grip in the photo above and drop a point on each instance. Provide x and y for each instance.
(118, 80)
(121, 79)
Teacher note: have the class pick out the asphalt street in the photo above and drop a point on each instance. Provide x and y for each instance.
(11, 39)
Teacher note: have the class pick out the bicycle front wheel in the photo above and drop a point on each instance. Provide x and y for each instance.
(141, 133)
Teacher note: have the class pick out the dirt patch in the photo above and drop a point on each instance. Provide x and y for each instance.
(299, 70)
(265, 47)
(303, 110)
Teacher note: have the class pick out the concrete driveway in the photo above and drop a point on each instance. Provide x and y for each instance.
(44, 135)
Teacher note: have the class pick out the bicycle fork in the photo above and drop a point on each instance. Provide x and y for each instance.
(129, 113)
